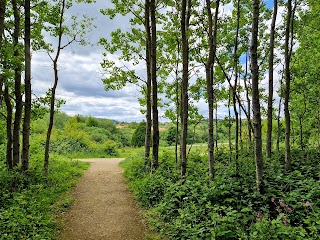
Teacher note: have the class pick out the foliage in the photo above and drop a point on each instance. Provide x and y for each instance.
(229, 207)
(80, 136)
(138, 137)
(28, 203)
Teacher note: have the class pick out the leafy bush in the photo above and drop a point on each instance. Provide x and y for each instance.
(229, 207)
(28, 203)
(138, 137)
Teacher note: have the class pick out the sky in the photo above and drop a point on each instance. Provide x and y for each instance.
(80, 75)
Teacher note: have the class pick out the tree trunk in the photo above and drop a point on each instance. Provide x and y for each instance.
(216, 127)
(212, 37)
(229, 125)
(236, 115)
(17, 85)
(255, 97)
(1, 86)
(9, 156)
(3, 4)
(240, 129)
(185, 16)
(148, 85)
(53, 90)
(270, 95)
(27, 108)
(177, 104)
(278, 121)
(155, 142)
(301, 120)
(248, 101)
(287, 88)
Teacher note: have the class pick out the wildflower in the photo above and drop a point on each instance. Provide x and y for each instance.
(272, 199)
(259, 216)
(307, 203)
(284, 221)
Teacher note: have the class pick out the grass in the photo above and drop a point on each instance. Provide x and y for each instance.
(29, 203)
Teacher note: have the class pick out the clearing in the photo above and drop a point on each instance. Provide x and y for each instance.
(104, 207)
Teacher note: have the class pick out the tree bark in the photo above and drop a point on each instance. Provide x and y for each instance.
(9, 156)
(212, 39)
(27, 108)
(185, 16)
(53, 90)
(148, 85)
(248, 101)
(177, 103)
(155, 142)
(3, 4)
(270, 94)
(17, 85)
(278, 120)
(255, 97)
(1, 90)
(287, 88)
(229, 124)
(216, 126)
(236, 114)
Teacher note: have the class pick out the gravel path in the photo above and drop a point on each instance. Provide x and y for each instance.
(104, 207)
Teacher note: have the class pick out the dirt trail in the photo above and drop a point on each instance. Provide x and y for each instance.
(104, 207)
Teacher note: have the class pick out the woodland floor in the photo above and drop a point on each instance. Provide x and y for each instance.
(104, 207)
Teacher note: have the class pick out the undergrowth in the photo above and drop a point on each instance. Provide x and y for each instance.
(29, 202)
(229, 207)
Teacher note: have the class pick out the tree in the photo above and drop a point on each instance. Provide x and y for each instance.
(155, 118)
(212, 39)
(185, 18)
(27, 80)
(255, 97)
(9, 154)
(17, 83)
(234, 98)
(138, 136)
(3, 4)
(148, 83)
(287, 57)
(270, 95)
(59, 30)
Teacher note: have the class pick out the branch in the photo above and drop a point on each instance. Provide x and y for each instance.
(234, 91)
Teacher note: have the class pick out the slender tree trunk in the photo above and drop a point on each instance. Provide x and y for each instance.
(216, 126)
(177, 103)
(3, 4)
(17, 85)
(185, 16)
(255, 97)
(240, 129)
(287, 88)
(212, 36)
(270, 95)
(53, 90)
(300, 122)
(209, 82)
(1, 85)
(278, 121)
(229, 124)
(27, 108)
(148, 85)
(236, 114)
(155, 142)
(9, 156)
(248, 101)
